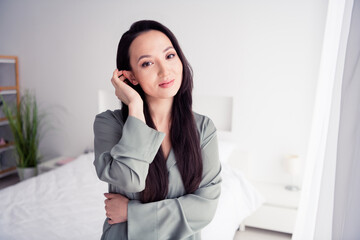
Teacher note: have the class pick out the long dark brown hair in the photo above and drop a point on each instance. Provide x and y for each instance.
(183, 130)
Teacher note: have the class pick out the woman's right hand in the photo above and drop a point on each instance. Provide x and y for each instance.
(123, 91)
(127, 95)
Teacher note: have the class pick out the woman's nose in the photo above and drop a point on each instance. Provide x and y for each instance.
(163, 70)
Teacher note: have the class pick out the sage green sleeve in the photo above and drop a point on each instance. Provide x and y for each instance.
(123, 151)
(184, 216)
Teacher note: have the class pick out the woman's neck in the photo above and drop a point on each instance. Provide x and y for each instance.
(160, 111)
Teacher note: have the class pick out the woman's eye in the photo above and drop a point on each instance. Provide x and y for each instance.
(170, 56)
(146, 64)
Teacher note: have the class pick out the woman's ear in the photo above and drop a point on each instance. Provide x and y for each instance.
(130, 76)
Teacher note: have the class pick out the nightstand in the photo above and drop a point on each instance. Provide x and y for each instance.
(13, 178)
(279, 211)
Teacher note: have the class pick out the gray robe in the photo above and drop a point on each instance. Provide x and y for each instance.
(123, 152)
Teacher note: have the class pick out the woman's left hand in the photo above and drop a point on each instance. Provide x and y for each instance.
(116, 207)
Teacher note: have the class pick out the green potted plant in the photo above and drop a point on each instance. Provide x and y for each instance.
(24, 123)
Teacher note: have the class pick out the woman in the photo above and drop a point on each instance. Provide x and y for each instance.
(159, 158)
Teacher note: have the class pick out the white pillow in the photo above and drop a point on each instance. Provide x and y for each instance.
(238, 200)
(226, 148)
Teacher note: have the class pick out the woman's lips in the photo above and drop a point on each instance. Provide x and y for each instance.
(167, 84)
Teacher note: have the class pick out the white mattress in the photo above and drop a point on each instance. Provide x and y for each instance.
(68, 203)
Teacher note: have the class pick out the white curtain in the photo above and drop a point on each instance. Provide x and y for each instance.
(346, 217)
(329, 203)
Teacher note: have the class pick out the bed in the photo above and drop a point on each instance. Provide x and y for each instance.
(68, 203)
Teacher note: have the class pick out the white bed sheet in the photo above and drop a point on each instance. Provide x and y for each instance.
(68, 203)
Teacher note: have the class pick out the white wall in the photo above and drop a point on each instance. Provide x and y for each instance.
(264, 53)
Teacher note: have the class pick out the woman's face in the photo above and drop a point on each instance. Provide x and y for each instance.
(155, 65)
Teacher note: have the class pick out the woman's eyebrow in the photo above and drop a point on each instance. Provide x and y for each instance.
(146, 56)
(166, 49)
(143, 56)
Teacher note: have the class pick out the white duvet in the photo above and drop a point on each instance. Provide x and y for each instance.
(68, 203)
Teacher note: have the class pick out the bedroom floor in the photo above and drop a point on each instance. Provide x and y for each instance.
(260, 234)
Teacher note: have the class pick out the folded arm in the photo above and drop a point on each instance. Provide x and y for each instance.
(184, 216)
(123, 152)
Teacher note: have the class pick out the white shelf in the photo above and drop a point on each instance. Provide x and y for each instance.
(3, 123)
(6, 148)
(7, 92)
(7, 60)
(7, 173)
